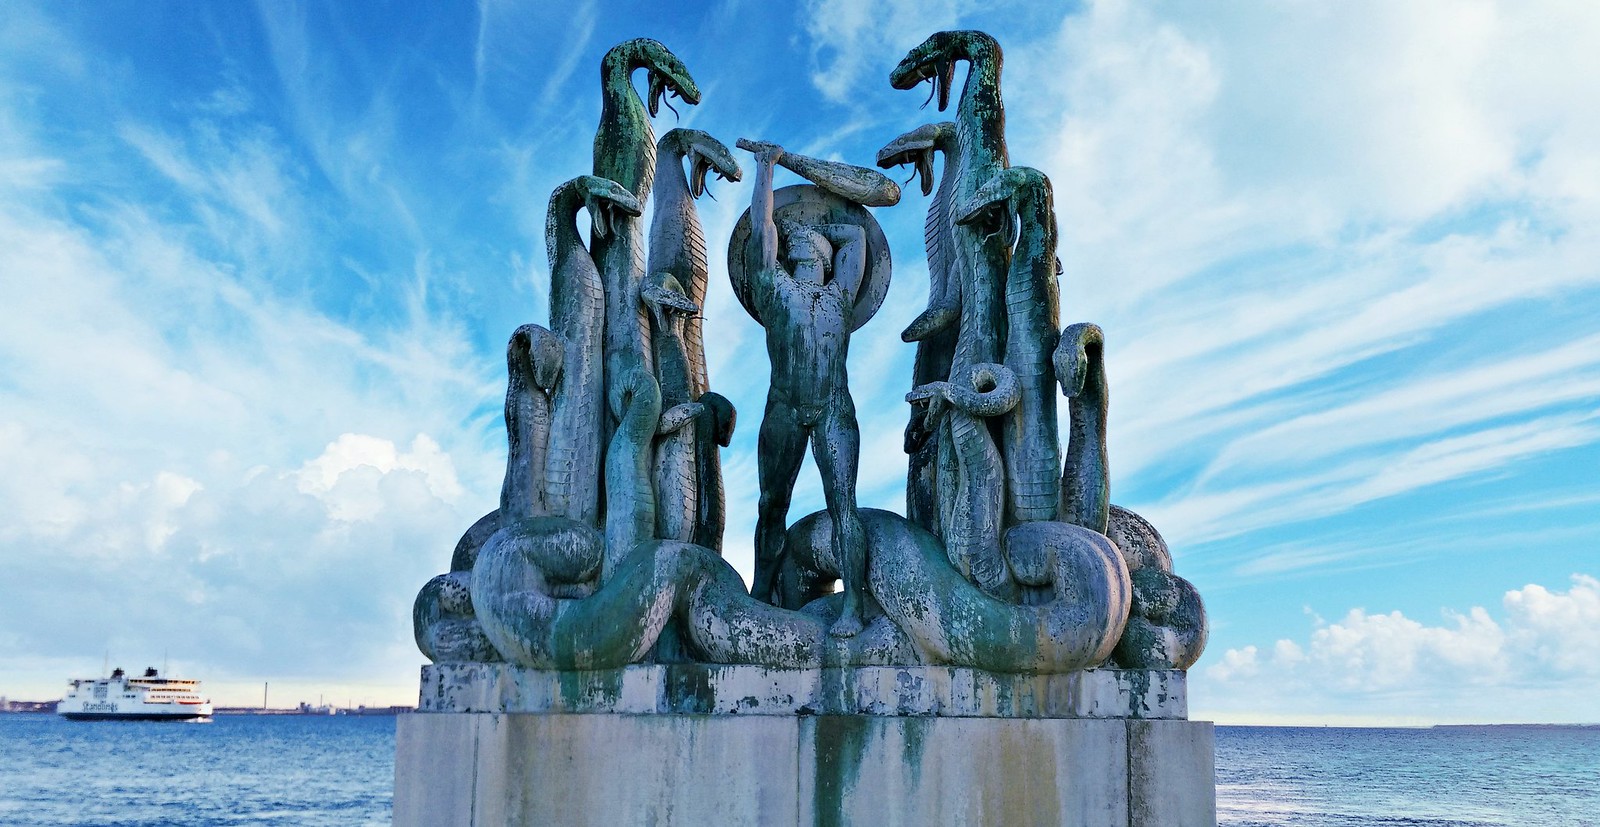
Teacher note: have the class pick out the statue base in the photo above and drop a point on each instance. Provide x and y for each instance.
(694, 744)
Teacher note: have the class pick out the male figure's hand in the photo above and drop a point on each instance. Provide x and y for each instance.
(765, 151)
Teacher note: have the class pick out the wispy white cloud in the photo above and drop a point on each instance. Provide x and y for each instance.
(1256, 224)
(1254, 237)
(160, 471)
(850, 40)
(1432, 404)
(198, 454)
(579, 43)
(1209, 515)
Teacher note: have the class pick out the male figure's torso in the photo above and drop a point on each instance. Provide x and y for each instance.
(808, 339)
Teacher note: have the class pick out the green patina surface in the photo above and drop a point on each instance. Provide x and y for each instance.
(556, 579)
(840, 743)
(582, 688)
(690, 689)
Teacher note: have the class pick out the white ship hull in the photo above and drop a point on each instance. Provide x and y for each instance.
(122, 698)
(135, 712)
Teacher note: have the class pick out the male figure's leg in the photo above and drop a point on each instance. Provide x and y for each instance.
(780, 448)
(836, 446)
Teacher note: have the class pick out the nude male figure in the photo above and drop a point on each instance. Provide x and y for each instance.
(808, 318)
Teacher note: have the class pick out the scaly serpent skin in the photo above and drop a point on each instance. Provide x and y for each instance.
(1021, 574)
(934, 330)
(1167, 623)
(625, 152)
(1086, 473)
(981, 149)
(676, 489)
(534, 358)
(972, 501)
(677, 242)
(630, 487)
(577, 314)
(1029, 437)
(951, 621)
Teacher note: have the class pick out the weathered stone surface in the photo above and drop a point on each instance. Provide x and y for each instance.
(496, 769)
(436, 767)
(934, 330)
(594, 769)
(967, 771)
(697, 689)
(1171, 774)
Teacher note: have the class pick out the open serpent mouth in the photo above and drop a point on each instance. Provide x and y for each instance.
(921, 158)
(606, 207)
(914, 149)
(995, 219)
(601, 218)
(662, 89)
(941, 73)
(603, 215)
(700, 164)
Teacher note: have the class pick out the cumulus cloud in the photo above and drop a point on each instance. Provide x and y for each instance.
(1543, 623)
(167, 496)
(1534, 660)
(349, 473)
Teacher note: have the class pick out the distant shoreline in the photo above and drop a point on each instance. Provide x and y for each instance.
(325, 713)
(49, 708)
(1516, 726)
(1410, 726)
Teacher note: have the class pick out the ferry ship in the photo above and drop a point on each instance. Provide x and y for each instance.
(148, 698)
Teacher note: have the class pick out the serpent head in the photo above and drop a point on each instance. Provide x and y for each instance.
(636, 402)
(705, 153)
(668, 75)
(916, 148)
(935, 60)
(722, 415)
(666, 299)
(1077, 352)
(921, 426)
(537, 354)
(605, 200)
(1013, 193)
(984, 389)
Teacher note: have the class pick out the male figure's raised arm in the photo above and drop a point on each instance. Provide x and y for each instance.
(762, 228)
(849, 256)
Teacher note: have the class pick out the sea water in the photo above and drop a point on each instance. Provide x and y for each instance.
(290, 770)
(314, 771)
(1458, 776)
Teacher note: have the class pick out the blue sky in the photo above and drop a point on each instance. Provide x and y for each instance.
(259, 262)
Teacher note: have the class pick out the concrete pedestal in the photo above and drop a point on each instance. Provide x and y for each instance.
(693, 745)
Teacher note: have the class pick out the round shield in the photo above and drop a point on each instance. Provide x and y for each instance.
(810, 204)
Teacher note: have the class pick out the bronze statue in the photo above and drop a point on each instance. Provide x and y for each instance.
(605, 550)
(805, 299)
